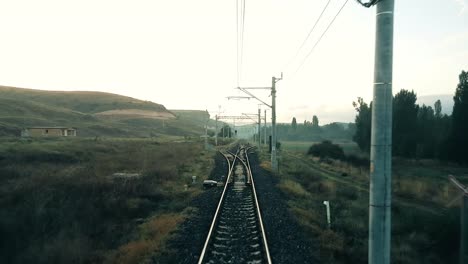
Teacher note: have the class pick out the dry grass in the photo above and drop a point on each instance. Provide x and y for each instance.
(60, 195)
(152, 234)
(293, 188)
(420, 194)
(266, 165)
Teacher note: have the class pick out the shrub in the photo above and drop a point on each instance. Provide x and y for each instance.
(327, 149)
(357, 161)
(293, 188)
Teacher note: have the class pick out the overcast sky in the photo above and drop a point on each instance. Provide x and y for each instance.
(182, 53)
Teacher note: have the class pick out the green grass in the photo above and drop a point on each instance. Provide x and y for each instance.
(421, 193)
(303, 146)
(59, 202)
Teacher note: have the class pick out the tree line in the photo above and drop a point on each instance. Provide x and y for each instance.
(421, 131)
(312, 131)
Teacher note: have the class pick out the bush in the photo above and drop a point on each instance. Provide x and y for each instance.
(327, 149)
(357, 161)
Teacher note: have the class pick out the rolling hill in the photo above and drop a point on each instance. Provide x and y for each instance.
(93, 113)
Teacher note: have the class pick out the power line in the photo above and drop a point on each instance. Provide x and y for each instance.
(240, 22)
(310, 32)
(242, 37)
(318, 41)
(237, 38)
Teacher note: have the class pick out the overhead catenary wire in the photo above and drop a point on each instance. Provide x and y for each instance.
(240, 28)
(242, 38)
(237, 39)
(320, 38)
(309, 34)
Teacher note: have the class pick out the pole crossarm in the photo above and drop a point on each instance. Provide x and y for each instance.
(238, 97)
(250, 117)
(235, 117)
(251, 95)
(255, 88)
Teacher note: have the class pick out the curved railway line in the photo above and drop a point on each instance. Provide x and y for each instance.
(236, 234)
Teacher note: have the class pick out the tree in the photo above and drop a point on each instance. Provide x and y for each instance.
(211, 133)
(363, 124)
(425, 134)
(315, 121)
(438, 109)
(458, 136)
(225, 131)
(405, 117)
(441, 132)
(294, 124)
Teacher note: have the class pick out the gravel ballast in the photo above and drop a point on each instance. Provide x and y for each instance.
(286, 241)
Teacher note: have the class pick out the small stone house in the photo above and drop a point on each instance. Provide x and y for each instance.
(49, 132)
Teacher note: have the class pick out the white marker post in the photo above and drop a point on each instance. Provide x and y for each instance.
(327, 205)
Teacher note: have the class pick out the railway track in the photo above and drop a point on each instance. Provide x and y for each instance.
(236, 233)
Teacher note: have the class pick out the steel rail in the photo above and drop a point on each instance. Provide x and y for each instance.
(245, 164)
(215, 218)
(260, 220)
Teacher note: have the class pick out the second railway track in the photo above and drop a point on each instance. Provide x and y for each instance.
(236, 233)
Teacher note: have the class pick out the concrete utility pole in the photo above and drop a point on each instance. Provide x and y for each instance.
(381, 139)
(464, 231)
(216, 130)
(463, 219)
(274, 159)
(206, 134)
(259, 134)
(265, 130)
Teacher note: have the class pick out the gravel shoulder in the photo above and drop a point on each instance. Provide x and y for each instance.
(286, 239)
(287, 243)
(187, 242)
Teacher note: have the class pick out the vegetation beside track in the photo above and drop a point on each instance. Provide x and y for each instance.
(60, 203)
(424, 229)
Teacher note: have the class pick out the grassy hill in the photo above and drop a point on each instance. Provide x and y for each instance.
(93, 113)
(81, 101)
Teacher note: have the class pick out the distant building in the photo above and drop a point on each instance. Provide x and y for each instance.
(48, 132)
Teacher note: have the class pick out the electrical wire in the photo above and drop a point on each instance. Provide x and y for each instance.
(242, 38)
(309, 34)
(240, 26)
(237, 39)
(318, 41)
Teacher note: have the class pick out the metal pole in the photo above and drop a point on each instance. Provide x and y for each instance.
(327, 206)
(464, 231)
(381, 138)
(274, 161)
(216, 130)
(265, 130)
(259, 125)
(206, 135)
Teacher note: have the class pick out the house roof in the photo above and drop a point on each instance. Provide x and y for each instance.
(51, 128)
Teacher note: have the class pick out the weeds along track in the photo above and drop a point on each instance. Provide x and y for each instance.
(236, 234)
